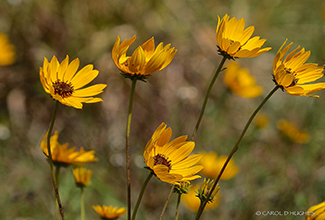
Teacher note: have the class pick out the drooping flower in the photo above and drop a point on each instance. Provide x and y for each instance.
(290, 131)
(192, 201)
(68, 87)
(62, 156)
(239, 81)
(235, 42)
(82, 176)
(294, 75)
(109, 212)
(146, 59)
(316, 212)
(212, 165)
(170, 161)
(7, 51)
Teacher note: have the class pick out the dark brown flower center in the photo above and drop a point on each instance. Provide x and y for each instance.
(63, 89)
(162, 159)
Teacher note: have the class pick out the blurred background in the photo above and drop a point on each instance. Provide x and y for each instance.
(276, 173)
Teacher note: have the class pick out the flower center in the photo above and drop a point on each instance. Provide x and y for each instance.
(162, 159)
(63, 89)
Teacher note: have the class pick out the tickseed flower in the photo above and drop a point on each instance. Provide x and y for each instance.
(146, 59)
(68, 87)
(192, 201)
(7, 51)
(294, 75)
(234, 41)
(291, 131)
(82, 176)
(316, 212)
(239, 81)
(212, 165)
(109, 212)
(62, 156)
(204, 190)
(170, 161)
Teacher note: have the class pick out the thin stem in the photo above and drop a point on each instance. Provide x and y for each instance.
(177, 205)
(235, 148)
(207, 96)
(82, 203)
(141, 194)
(51, 161)
(166, 203)
(128, 126)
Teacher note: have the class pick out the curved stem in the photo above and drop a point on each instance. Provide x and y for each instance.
(57, 195)
(166, 203)
(127, 153)
(207, 96)
(235, 148)
(177, 205)
(144, 186)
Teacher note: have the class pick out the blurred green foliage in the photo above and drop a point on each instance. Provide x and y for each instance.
(275, 174)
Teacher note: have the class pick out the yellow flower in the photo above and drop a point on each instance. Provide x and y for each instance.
(82, 176)
(170, 161)
(62, 156)
(290, 130)
(146, 59)
(241, 82)
(234, 41)
(192, 201)
(7, 51)
(212, 165)
(68, 87)
(294, 75)
(109, 212)
(316, 212)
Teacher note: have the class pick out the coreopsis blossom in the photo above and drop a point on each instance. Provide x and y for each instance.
(212, 164)
(170, 161)
(192, 201)
(7, 51)
(82, 176)
(234, 41)
(146, 59)
(109, 212)
(239, 81)
(294, 75)
(65, 84)
(62, 156)
(290, 131)
(316, 212)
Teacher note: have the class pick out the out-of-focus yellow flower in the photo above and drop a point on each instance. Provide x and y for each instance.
(291, 131)
(68, 87)
(82, 176)
(261, 120)
(7, 51)
(234, 41)
(316, 212)
(239, 81)
(109, 212)
(212, 165)
(146, 59)
(170, 161)
(62, 156)
(192, 201)
(294, 75)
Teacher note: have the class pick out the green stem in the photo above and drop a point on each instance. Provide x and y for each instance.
(128, 126)
(166, 203)
(141, 194)
(51, 161)
(177, 205)
(207, 96)
(82, 203)
(235, 148)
